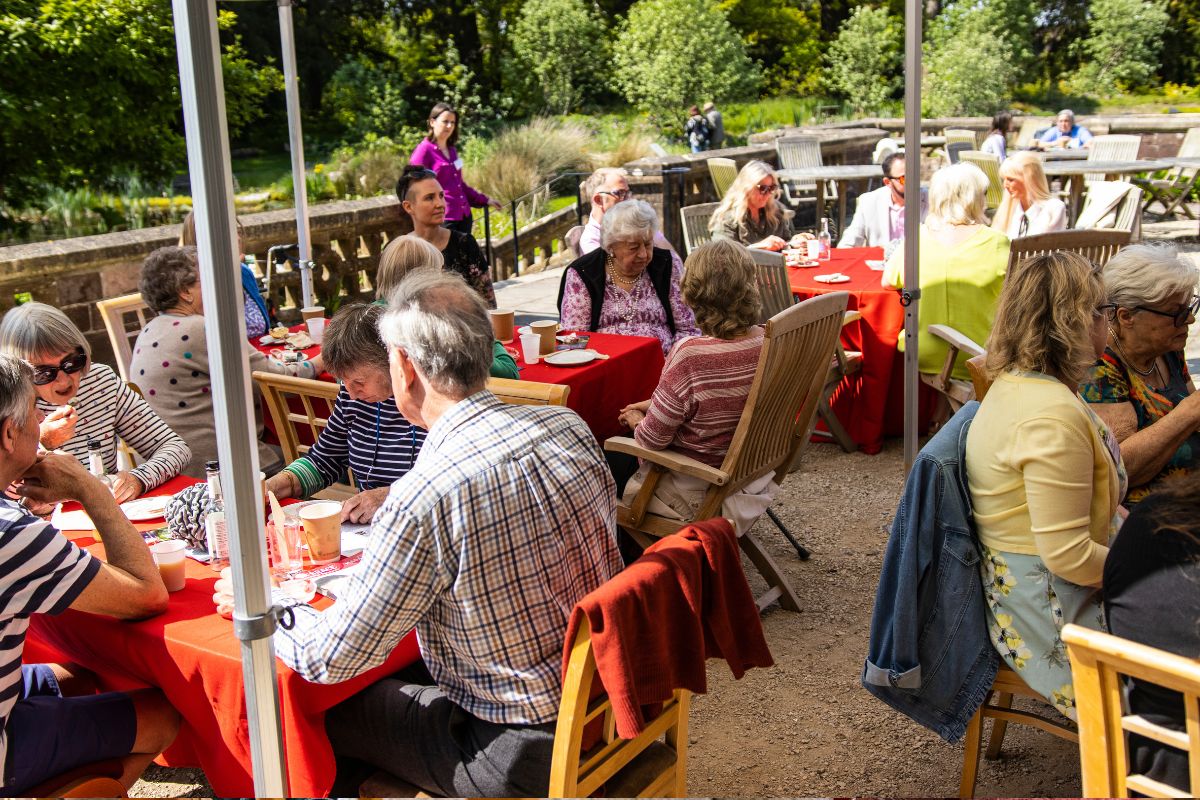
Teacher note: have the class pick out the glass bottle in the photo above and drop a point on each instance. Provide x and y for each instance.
(95, 450)
(825, 240)
(215, 531)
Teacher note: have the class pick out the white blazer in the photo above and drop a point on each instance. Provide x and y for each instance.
(872, 223)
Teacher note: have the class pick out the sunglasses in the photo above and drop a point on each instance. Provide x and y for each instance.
(70, 365)
(896, 179)
(767, 188)
(1180, 317)
(621, 194)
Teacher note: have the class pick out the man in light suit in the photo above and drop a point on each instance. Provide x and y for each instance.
(879, 215)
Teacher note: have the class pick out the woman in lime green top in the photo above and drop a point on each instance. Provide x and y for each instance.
(406, 253)
(962, 263)
(1044, 472)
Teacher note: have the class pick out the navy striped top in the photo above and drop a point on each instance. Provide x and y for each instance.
(373, 439)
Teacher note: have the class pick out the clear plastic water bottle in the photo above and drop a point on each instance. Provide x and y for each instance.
(825, 240)
(96, 466)
(215, 531)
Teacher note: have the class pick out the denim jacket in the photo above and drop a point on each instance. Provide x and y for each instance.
(930, 656)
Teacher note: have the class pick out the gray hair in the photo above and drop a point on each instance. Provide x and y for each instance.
(16, 389)
(958, 194)
(1066, 112)
(599, 178)
(352, 340)
(442, 324)
(36, 329)
(633, 220)
(165, 273)
(1147, 275)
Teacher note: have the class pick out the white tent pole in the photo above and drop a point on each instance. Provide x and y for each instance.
(291, 83)
(912, 220)
(203, 92)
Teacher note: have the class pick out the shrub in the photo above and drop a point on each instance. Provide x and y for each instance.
(559, 43)
(523, 157)
(371, 167)
(865, 61)
(672, 53)
(968, 68)
(1123, 45)
(785, 37)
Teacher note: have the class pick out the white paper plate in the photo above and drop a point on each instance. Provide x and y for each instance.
(570, 358)
(876, 265)
(145, 509)
(835, 278)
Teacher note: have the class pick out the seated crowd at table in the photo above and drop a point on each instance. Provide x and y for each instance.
(488, 522)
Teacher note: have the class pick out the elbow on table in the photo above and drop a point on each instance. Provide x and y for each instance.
(149, 601)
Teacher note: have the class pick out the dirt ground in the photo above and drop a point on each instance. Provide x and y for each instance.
(806, 726)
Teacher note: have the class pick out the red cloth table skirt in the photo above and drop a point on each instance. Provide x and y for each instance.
(870, 404)
(271, 436)
(600, 390)
(190, 653)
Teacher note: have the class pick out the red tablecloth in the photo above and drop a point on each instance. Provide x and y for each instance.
(870, 404)
(600, 390)
(190, 653)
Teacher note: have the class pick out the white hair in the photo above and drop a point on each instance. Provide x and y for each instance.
(442, 325)
(633, 220)
(1066, 112)
(16, 390)
(599, 179)
(1147, 275)
(958, 194)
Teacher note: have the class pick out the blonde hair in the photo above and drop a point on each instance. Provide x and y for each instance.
(720, 284)
(958, 195)
(1044, 317)
(1027, 167)
(401, 256)
(734, 205)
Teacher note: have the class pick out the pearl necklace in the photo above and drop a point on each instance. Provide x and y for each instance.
(627, 284)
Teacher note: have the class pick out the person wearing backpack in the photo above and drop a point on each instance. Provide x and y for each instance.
(697, 130)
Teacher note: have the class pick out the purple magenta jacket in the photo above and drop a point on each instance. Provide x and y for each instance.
(460, 198)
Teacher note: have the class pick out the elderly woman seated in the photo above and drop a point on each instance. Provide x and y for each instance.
(406, 253)
(170, 358)
(1044, 473)
(1141, 386)
(962, 265)
(366, 432)
(82, 401)
(751, 212)
(628, 286)
(705, 382)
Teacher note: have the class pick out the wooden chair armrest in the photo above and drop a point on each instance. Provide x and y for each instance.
(956, 339)
(669, 459)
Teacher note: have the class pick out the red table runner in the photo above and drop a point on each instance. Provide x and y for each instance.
(870, 404)
(190, 653)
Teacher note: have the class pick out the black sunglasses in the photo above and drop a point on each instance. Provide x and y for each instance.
(1180, 317)
(70, 365)
(621, 194)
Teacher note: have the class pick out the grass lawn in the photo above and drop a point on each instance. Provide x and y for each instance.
(258, 173)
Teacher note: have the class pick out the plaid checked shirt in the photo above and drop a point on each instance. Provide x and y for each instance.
(505, 522)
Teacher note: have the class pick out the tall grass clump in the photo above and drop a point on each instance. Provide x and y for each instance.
(523, 157)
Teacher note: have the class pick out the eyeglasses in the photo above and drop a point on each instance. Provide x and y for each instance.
(43, 374)
(1102, 310)
(896, 179)
(1180, 317)
(767, 188)
(621, 194)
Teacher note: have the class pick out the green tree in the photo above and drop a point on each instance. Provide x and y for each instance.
(558, 44)
(672, 53)
(1122, 47)
(968, 68)
(1181, 50)
(864, 63)
(782, 35)
(91, 94)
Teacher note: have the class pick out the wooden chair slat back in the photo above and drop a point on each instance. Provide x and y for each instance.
(1094, 244)
(1029, 128)
(723, 171)
(1111, 147)
(960, 135)
(773, 285)
(316, 398)
(1098, 663)
(797, 349)
(528, 393)
(990, 165)
(798, 152)
(695, 224)
(124, 318)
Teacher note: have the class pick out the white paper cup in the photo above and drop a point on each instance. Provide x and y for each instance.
(812, 249)
(322, 525)
(531, 345)
(316, 328)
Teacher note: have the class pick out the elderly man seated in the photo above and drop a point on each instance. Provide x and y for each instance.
(605, 188)
(1066, 133)
(51, 719)
(879, 215)
(504, 523)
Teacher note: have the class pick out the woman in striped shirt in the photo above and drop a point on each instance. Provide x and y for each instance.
(82, 401)
(704, 385)
(366, 432)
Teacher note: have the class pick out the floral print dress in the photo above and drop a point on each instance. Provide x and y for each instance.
(1028, 606)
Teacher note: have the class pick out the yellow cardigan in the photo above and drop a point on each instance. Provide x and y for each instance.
(1042, 480)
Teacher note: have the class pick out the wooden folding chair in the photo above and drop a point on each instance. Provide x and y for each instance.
(990, 165)
(124, 317)
(654, 764)
(528, 393)
(1111, 147)
(844, 363)
(773, 284)
(1030, 128)
(979, 378)
(956, 391)
(1125, 215)
(997, 706)
(783, 398)
(1098, 246)
(695, 224)
(799, 152)
(315, 399)
(724, 172)
(1173, 189)
(1099, 662)
(960, 135)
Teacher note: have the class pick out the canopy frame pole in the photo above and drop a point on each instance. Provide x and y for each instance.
(291, 83)
(911, 295)
(202, 90)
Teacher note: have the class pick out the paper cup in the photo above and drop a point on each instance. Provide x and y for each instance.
(323, 531)
(547, 329)
(316, 328)
(310, 312)
(169, 556)
(812, 249)
(531, 345)
(502, 325)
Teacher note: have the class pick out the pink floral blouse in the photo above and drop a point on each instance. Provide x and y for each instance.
(634, 313)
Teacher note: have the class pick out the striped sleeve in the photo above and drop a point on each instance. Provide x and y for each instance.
(331, 453)
(43, 571)
(670, 406)
(165, 453)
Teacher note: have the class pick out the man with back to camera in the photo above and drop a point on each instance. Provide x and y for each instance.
(879, 215)
(52, 721)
